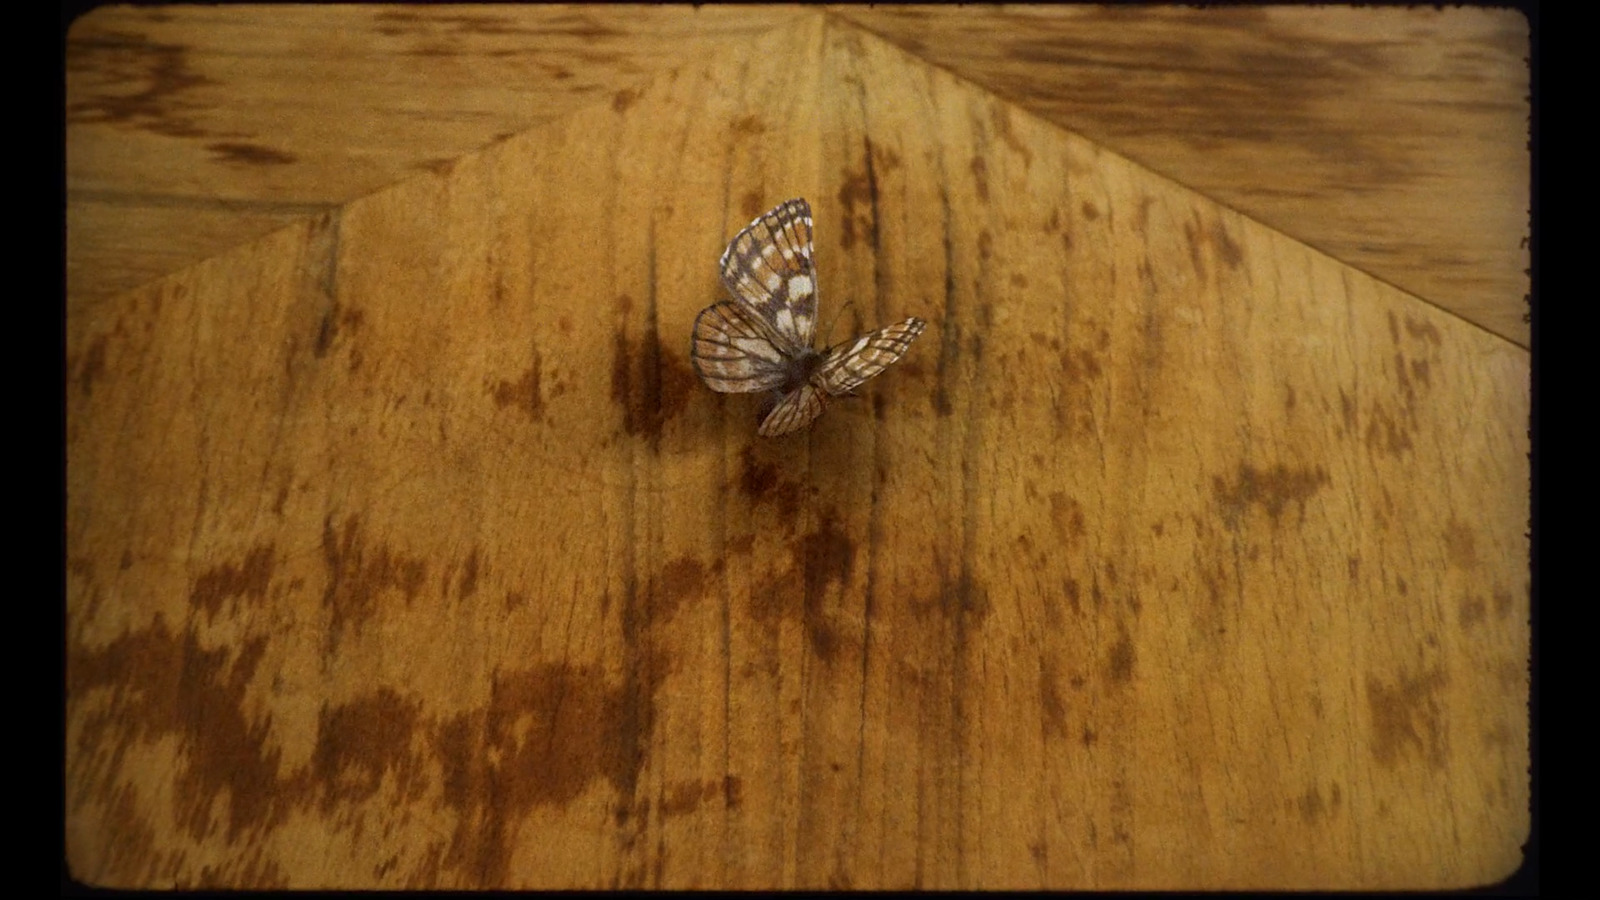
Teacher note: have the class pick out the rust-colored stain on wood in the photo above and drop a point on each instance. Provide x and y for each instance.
(405, 549)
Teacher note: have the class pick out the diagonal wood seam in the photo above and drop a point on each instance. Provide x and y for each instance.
(1018, 109)
(833, 19)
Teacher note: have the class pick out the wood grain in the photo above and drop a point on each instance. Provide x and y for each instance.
(404, 549)
(1395, 140)
(193, 129)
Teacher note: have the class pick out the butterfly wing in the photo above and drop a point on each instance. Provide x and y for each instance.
(795, 411)
(767, 266)
(733, 352)
(847, 366)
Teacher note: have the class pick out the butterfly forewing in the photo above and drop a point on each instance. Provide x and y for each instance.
(795, 411)
(847, 366)
(768, 266)
(733, 352)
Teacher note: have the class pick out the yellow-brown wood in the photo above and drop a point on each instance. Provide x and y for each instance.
(1395, 140)
(192, 129)
(404, 548)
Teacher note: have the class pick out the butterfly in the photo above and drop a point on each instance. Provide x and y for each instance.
(761, 339)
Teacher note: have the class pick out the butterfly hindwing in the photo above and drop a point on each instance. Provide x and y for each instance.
(768, 266)
(847, 366)
(733, 353)
(795, 411)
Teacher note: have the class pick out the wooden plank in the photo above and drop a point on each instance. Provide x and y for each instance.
(226, 111)
(405, 550)
(1394, 139)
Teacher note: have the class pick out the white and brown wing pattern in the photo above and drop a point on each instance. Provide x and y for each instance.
(761, 339)
(847, 366)
(768, 266)
(795, 411)
(734, 352)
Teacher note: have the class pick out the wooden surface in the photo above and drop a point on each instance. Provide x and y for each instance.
(1395, 140)
(1392, 139)
(404, 549)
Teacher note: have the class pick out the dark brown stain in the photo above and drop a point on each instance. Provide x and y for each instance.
(886, 159)
(1288, 398)
(1018, 280)
(1459, 546)
(1191, 238)
(856, 202)
(1423, 329)
(364, 741)
(1067, 514)
(1122, 659)
(732, 792)
(525, 393)
(1422, 372)
(752, 205)
(1074, 594)
(682, 579)
(1387, 435)
(1502, 603)
(761, 482)
(1347, 410)
(1473, 610)
(545, 736)
(1313, 808)
(686, 796)
(135, 81)
(1000, 117)
(127, 561)
(434, 21)
(336, 320)
(1353, 567)
(1088, 737)
(748, 124)
(155, 684)
(279, 499)
(1402, 377)
(245, 580)
(651, 386)
(1053, 706)
(93, 366)
(249, 154)
(980, 178)
(1408, 719)
(1089, 211)
(515, 600)
(623, 99)
(1231, 253)
(962, 594)
(826, 555)
(358, 576)
(985, 243)
(1270, 489)
(469, 576)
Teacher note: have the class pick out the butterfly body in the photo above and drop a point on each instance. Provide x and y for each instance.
(762, 339)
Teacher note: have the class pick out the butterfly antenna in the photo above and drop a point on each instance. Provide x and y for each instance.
(827, 334)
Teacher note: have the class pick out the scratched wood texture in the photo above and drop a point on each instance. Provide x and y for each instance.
(1392, 139)
(405, 550)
